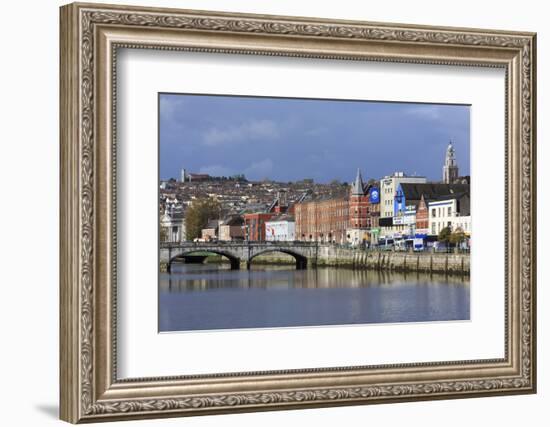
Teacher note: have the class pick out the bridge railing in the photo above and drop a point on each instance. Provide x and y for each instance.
(168, 245)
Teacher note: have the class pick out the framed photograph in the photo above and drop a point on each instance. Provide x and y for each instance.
(266, 212)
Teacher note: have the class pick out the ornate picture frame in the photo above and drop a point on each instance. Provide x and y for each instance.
(90, 37)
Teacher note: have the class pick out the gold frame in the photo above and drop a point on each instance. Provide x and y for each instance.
(90, 36)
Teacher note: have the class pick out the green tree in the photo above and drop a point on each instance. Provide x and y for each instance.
(444, 235)
(198, 214)
(457, 237)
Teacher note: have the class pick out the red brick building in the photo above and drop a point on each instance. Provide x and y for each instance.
(358, 203)
(330, 220)
(324, 220)
(422, 216)
(254, 225)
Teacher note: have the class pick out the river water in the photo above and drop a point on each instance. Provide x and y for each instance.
(211, 296)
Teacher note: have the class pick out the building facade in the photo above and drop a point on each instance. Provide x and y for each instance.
(388, 187)
(172, 226)
(407, 200)
(254, 225)
(232, 228)
(364, 212)
(452, 212)
(280, 229)
(230, 233)
(422, 217)
(358, 203)
(325, 220)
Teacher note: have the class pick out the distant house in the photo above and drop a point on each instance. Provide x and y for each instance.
(197, 177)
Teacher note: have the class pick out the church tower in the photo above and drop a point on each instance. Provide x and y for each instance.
(450, 168)
(358, 203)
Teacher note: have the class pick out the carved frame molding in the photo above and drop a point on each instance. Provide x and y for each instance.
(90, 36)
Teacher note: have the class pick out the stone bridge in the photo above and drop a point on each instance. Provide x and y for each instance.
(236, 252)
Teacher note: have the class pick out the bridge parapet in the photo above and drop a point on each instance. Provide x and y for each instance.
(304, 252)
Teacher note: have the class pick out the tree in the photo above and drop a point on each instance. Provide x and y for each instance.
(457, 237)
(444, 235)
(198, 215)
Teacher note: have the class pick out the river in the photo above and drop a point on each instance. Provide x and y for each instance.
(211, 296)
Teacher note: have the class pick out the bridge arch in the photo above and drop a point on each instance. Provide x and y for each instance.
(234, 260)
(301, 260)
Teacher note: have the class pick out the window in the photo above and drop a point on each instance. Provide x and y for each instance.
(433, 213)
(449, 211)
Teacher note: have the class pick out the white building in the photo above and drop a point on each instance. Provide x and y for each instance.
(447, 213)
(280, 230)
(388, 186)
(172, 227)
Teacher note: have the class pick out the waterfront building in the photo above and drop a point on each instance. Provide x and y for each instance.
(350, 218)
(364, 211)
(358, 203)
(406, 202)
(323, 220)
(281, 228)
(452, 211)
(422, 217)
(232, 229)
(373, 212)
(388, 187)
(450, 167)
(404, 223)
(254, 225)
(172, 226)
(210, 232)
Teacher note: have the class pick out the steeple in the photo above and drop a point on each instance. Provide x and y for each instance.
(450, 167)
(357, 186)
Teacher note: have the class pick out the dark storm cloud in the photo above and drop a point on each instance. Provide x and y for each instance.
(291, 139)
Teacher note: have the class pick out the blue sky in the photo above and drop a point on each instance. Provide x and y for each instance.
(287, 139)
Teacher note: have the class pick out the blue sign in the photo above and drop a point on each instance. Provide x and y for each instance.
(374, 195)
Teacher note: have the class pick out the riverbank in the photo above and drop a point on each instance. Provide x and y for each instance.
(403, 262)
(425, 262)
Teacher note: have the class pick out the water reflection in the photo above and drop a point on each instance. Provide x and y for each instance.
(210, 296)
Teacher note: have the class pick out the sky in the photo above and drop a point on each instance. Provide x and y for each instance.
(289, 139)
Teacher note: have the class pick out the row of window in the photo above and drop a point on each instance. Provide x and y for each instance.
(438, 212)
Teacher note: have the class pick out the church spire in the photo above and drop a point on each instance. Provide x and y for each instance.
(450, 167)
(357, 188)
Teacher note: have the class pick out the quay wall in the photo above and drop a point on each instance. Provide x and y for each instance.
(427, 262)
